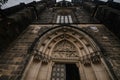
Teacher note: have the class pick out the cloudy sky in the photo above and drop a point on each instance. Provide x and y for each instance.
(113, 0)
(16, 2)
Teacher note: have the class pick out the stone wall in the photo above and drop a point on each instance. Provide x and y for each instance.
(89, 7)
(110, 17)
(110, 46)
(13, 24)
(14, 60)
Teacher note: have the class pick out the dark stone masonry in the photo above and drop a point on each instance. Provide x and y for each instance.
(22, 26)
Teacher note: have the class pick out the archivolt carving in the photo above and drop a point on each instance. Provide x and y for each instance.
(65, 42)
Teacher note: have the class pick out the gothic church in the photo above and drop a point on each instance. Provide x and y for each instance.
(50, 40)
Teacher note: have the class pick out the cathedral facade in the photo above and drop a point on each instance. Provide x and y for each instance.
(63, 40)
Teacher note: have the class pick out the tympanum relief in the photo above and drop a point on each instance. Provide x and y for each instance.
(64, 49)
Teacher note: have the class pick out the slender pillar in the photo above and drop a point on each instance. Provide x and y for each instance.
(81, 72)
(27, 68)
(33, 71)
(100, 72)
(50, 70)
(89, 73)
(43, 71)
(107, 70)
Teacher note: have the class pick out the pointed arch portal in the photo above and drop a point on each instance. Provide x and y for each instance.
(64, 50)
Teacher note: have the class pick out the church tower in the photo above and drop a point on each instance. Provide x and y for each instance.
(50, 40)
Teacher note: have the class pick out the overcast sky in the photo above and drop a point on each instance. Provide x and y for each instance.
(113, 0)
(61, 0)
(16, 2)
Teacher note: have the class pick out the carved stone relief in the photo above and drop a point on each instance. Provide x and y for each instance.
(39, 56)
(65, 49)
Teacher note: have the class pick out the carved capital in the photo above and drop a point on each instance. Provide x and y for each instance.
(95, 59)
(37, 58)
(87, 62)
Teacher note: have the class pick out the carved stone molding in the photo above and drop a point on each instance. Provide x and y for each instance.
(95, 59)
(39, 56)
(87, 62)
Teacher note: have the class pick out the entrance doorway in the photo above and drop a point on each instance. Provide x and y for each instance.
(62, 71)
(72, 72)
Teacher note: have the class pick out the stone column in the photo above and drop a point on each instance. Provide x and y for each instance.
(43, 71)
(100, 71)
(89, 73)
(50, 70)
(27, 68)
(33, 71)
(81, 71)
(107, 70)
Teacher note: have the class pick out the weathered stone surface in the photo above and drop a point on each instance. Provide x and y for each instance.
(110, 46)
(110, 17)
(15, 58)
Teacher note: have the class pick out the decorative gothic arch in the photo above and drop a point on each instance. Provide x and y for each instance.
(75, 36)
(67, 45)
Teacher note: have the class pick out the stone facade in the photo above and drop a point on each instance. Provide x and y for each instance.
(45, 45)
